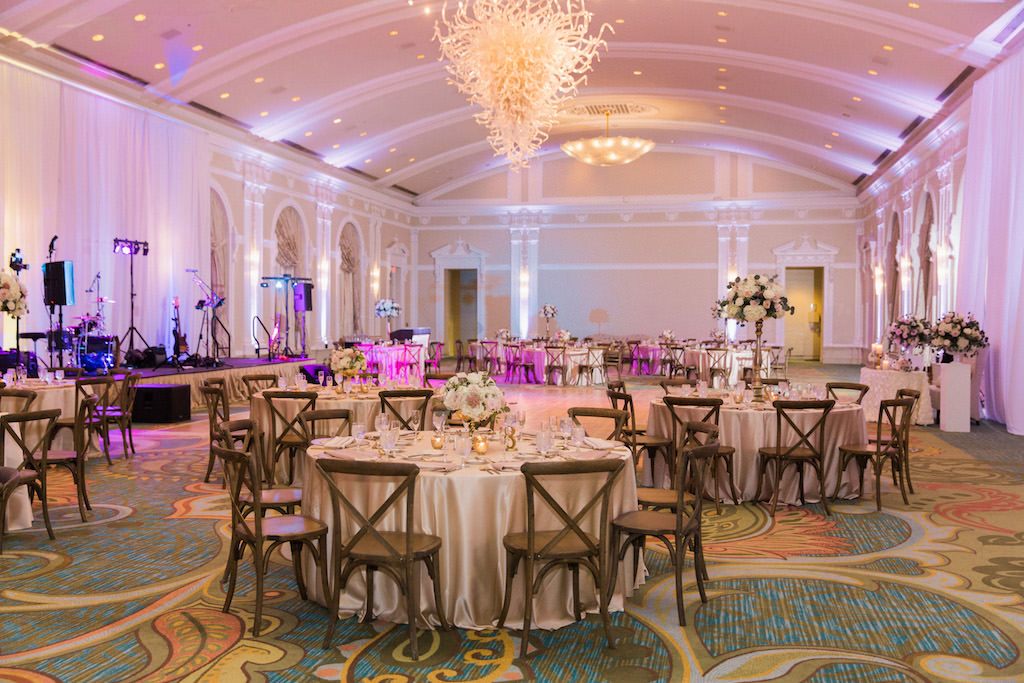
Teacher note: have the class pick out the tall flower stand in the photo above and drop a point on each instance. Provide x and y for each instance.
(756, 384)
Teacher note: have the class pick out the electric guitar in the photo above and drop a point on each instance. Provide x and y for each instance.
(180, 340)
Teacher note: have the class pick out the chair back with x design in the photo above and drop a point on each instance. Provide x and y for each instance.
(258, 382)
(29, 441)
(16, 400)
(617, 417)
(389, 408)
(536, 472)
(894, 414)
(103, 387)
(623, 400)
(242, 470)
(805, 437)
(283, 427)
(327, 422)
(554, 361)
(837, 390)
(216, 399)
(693, 464)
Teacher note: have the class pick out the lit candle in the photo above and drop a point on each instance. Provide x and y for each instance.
(885, 363)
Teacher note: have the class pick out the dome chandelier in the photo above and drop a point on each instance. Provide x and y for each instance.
(608, 151)
(519, 61)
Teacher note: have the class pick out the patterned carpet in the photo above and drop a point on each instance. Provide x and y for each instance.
(926, 592)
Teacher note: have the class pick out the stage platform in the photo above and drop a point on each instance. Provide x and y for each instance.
(232, 373)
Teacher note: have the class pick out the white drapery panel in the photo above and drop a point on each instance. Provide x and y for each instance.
(91, 169)
(990, 281)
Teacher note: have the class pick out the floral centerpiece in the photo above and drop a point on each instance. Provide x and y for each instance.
(387, 308)
(475, 398)
(955, 334)
(911, 333)
(548, 311)
(563, 336)
(754, 298)
(347, 362)
(13, 295)
(668, 336)
(503, 335)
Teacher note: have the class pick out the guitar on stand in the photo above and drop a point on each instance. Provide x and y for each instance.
(180, 341)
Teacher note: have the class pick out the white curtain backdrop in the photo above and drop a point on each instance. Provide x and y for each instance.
(89, 169)
(990, 282)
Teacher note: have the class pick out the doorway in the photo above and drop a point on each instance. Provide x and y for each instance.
(460, 308)
(805, 288)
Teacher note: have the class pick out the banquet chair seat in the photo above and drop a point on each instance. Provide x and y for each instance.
(396, 553)
(74, 460)
(568, 545)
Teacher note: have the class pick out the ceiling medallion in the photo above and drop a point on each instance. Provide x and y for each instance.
(519, 60)
(608, 151)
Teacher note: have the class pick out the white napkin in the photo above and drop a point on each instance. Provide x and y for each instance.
(594, 442)
(337, 442)
(508, 465)
(585, 455)
(438, 465)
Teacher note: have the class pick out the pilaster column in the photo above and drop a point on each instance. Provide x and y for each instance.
(905, 262)
(524, 236)
(414, 272)
(254, 188)
(324, 214)
(944, 256)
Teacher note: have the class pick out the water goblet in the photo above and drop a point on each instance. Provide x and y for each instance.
(579, 434)
(388, 440)
(381, 422)
(414, 420)
(544, 442)
(748, 395)
(565, 428)
(439, 418)
(282, 383)
(359, 430)
(463, 446)
(59, 374)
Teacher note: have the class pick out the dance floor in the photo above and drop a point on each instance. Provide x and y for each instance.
(925, 592)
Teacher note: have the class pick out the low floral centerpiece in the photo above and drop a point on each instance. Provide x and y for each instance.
(910, 333)
(563, 336)
(347, 362)
(956, 334)
(751, 300)
(668, 336)
(13, 295)
(475, 398)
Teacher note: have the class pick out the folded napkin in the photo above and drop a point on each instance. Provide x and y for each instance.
(511, 465)
(585, 455)
(349, 454)
(438, 465)
(594, 442)
(336, 442)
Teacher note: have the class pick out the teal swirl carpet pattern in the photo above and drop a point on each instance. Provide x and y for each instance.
(926, 592)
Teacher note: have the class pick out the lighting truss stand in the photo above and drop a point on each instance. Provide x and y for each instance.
(131, 247)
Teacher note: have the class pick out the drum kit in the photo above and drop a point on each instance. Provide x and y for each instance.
(91, 345)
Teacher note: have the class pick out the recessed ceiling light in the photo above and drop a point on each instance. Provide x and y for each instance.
(913, 5)
(426, 10)
(392, 33)
(620, 21)
(335, 146)
(264, 113)
(387, 170)
(140, 17)
(828, 146)
(159, 65)
(337, 120)
(412, 159)
(888, 48)
(722, 69)
(722, 13)
(638, 73)
(197, 48)
(308, 133)
(410, 3)
(258, 79)
(856, 99)
(296, 98)
(420, 56)
(366, 161)
(721, 120)
(363, 134)
(835, 134)
(393, 149)
(872, 72)
(722, 87)
(225, 95)
(723, 40)
(721, 108)
(97, 38)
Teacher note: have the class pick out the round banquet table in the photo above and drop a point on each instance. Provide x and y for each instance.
(48, 397)
(365, 409)
(575, 356)
(747, 429)
(471, 510)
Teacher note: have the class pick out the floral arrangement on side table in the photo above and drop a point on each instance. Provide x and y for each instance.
(13, 295)
(754, 298)
(347, 362)
(387, 308)
(954, 333)
(563, 336)
(474, 397)
(910, 333)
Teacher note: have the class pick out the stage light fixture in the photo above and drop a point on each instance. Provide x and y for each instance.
(130, 247)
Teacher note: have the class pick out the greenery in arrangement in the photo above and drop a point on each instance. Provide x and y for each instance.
(753, 298)
(475, 397)
(955, 333)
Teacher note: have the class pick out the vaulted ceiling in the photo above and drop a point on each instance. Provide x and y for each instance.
(830, 86)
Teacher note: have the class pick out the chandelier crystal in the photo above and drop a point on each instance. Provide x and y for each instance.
(519, 61)
(608, 151)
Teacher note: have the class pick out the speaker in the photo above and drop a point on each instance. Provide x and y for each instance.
(303, 296)
(163, 403)
(59, 283)
(153, 356)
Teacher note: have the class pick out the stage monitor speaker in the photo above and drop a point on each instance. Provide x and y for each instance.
(303, 296)
(59, 283)
(162, 403)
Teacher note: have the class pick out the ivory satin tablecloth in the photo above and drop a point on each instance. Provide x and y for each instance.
(884, 384)
(747, 429)
(574, 358)
(471, 510)
(48, 397)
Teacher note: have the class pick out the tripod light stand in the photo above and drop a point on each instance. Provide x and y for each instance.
(131, 248)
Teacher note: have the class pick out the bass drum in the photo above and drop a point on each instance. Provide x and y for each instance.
(97, 362)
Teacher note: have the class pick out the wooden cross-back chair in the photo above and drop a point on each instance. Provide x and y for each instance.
(568, 545)
(287, 434)
(894, 418)
(635, 436)
(16, 400)
(393, 552)
(74, 460)
(719, 364)
(104, 388)
(33, 440)
(555, 362)
(262, 535)
(244, 435)
(258, 382)
(677, 383)
(854, 390)
(432, 380)
(215, 396)
(682, 523)
(709, 411)
(595, 416)
(325, 423)
(807, 451)
(119, 412)
(391, 409)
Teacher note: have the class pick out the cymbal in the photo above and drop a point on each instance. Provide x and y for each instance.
(88, 318)
(105, 300)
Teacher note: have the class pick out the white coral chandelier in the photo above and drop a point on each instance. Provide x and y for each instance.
(608, 151)
(519, 60)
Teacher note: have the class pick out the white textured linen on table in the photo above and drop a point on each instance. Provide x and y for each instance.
(746, 430)
(883, 386)
(471, 510)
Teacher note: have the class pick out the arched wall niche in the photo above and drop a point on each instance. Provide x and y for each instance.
(351, 288)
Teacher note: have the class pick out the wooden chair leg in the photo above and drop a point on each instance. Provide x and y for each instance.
(258, 561)
(511, 564)
(431, 563)
(412, 605)
(528, 607)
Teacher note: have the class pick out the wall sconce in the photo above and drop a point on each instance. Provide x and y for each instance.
(879, 281)
(375, 279)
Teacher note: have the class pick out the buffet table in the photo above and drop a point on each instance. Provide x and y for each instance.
(747, 428)
(884, 384)
(471, 510)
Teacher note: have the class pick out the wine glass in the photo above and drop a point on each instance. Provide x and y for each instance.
(579, 434)
(359, 430)
(521, 419)
(748, 395)
(438, 418)
(463, 446)
(414, 419)
(282, 383)
(381, 422)
(388, 440)
(321, 378)
(59, 374)
(565, 425)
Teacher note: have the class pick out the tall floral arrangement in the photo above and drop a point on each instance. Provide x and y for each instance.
(955, 333)
(348, 362)
(910, 332)
(387, 308)
(753, 298)
(475, 397)
(548, 311)
(13, 295)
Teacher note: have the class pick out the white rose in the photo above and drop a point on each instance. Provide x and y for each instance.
(961, 342)
(732, 311)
